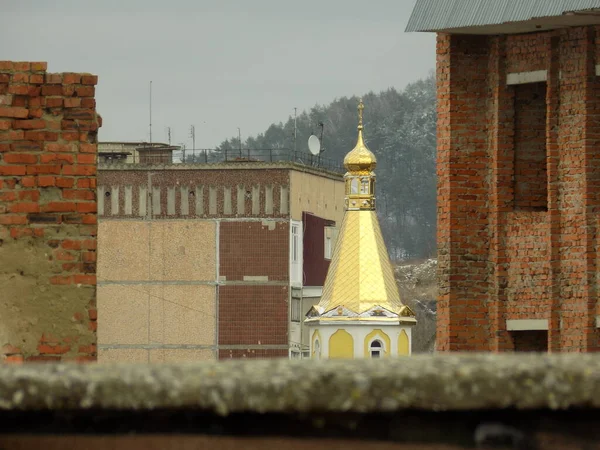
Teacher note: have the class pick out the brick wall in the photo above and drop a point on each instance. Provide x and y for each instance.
(254, 249)
(169, 191)
(48, 228)
(502, 255)
(253, 315)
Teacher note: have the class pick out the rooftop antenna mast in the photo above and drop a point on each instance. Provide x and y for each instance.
(193, 136)
(295, 128)
(169, 134)
(150, 113)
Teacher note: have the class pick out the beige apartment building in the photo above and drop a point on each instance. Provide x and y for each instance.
(206, 261)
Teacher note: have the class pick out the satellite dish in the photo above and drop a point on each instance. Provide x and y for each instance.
(314, 145)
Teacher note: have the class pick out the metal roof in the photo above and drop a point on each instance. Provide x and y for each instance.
(437, 15)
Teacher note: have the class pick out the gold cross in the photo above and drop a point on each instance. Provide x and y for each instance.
(361, 106)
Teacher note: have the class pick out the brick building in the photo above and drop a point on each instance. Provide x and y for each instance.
(518, 168)
(199, 261)
(48, 227)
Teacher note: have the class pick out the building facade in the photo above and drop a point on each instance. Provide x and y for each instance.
(360, 314)
(518, 174)
(136, 152)
(206, 261)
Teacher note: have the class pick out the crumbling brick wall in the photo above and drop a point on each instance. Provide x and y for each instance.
(48, 226)
(518, 189)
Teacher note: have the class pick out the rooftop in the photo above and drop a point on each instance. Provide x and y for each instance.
(232, 159)
(501, 16)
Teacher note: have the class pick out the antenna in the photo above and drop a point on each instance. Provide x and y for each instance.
(150, 113)
(193, 136)
(240, 140)
(169, 134)
(314, 145)
(322, 125)
(295, 128)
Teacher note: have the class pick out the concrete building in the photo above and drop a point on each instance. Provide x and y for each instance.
(360, 314)
(518, 168)
(136, 152)
(202, 261)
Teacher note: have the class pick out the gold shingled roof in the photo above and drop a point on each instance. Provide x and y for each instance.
(360, 275)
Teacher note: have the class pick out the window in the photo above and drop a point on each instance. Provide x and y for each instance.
(354, 186)
(296, 274)
(317, 349)
(305, 355)
(330, 235)
(294, 355)
(296, 309)
(376, 349)
(530, 340)
(295, 243)
(530, 177)
(364, 186)
(327, 247)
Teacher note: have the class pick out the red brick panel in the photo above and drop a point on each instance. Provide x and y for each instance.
(576, 143)
(463, 193)
(528, 266)
(251, 249)
(253, 315)
(253, 353)
(527, 52)
(48, 140)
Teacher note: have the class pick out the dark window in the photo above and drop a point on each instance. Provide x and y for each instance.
(530, 341)
(530, 174)
(376, 349)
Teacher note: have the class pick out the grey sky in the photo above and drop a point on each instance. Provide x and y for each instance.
(217, 64)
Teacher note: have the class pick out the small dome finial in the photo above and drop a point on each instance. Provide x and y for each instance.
(360, 159)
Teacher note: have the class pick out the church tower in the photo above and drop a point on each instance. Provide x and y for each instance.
(360, 314)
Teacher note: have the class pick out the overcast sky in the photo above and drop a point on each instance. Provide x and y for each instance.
(217, 64)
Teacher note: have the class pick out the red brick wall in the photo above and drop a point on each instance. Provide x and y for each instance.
(463, 193)
(48, 228)
(253, 353)
(253, 315)
(254, 248)
(494, 262)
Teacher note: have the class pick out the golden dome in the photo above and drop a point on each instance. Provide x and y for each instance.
(360, 159)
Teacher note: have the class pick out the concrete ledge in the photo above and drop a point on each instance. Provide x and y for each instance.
(535, 76)
(526, 324)
(434, 383)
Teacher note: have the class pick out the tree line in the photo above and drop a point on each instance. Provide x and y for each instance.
(400, 128)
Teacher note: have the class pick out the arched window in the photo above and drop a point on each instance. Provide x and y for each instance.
(376, 349)
(317, 349)
(364, 186)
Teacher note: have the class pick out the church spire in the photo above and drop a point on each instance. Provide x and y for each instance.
(360, 179)
(360, 275)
